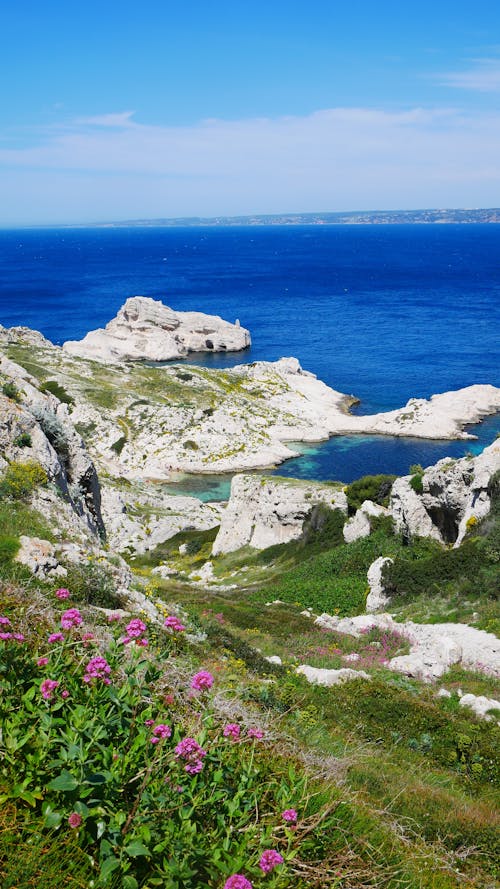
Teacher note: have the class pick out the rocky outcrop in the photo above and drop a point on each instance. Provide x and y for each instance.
(359, 525)
(433, 647)
(376, 598)
(140, 519)
(481, 705)
(39, 556)
(37, 427)
(144, 328)
(262, 512)
(454, 496)
(320, 676)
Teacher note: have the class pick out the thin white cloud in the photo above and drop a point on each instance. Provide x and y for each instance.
(121, 119)
(483, 76)
(339, 158)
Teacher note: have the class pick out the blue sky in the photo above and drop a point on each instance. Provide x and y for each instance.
(131, 110)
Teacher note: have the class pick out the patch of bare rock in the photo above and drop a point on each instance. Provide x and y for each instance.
(145, 328)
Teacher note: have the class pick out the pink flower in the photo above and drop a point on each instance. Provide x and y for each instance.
(290, 816)
(113, 617)
(160, 732)
(75, 820)
(18, 637)
(42, 661)
(86, 638)
(238, 881)
(4, 622)
(5, 636)
(232, 730)
(269, 860)
(62, 593)
(48, 688)
(65, 693)
(149, 722)
(135, 628)
(71, 618)
(255, 733)
(173, 623)
(56, 637)
(202, 681)
(97, 668)
(190, 751)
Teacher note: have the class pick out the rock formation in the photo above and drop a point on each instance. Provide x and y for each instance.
(455, 495)
(263, 511)
(144, 328)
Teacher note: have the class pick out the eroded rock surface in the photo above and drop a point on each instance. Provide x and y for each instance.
(455, 496)
(262, 511)
(145, 328)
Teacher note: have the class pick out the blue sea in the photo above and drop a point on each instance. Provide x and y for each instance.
(381, 312)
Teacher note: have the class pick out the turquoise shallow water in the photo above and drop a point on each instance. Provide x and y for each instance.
(383, 312)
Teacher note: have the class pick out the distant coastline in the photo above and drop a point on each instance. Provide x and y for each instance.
(360, 217)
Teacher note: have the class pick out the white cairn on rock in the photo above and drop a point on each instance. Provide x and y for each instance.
(145, 328)
(263, 511)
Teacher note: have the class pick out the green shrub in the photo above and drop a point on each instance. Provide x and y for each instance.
(369, 487)
(119, 444)
(416, 484)
(11, 391)
(59, 391)
(54, 429)
(8, 549)
(190, 445)
(23, 440)
(92, 583)
(21, 479)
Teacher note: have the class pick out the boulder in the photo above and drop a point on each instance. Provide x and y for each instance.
(39, 556)
(319, 676)
(145, 328)
(481, 705)
(376, 598)
(359, 525)
(262, 512)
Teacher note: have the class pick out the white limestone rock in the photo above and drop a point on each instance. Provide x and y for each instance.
(455, 496)
(433, 647)
(319, 676)
(146, 329)
(377, 598)
(359, 525)
(264, 511)
(274, 659)
(39, 556)
(480, 704)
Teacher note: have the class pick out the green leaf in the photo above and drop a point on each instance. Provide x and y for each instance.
(108, 866)
(98, 778)
(136, 848)
(52, 819)
(64, 782)
(129, 882)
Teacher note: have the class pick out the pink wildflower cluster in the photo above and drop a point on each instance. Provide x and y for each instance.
(290, 816)
(75, 820)
(160, 732)
(5, 635)
(173, 623)
(135, 632)
(55, 637)
(48, 688)
(97, 668)
(255, 733)
(62, 593)
(71, 618)
(232, 730)
(190, 751)
(269, 860)
(238, 881)
(42, 661)
(202, 681)
(113, 617)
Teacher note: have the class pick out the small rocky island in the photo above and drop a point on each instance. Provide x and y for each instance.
(145, 329)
